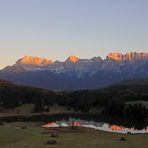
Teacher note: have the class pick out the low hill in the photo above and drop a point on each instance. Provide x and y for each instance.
(142, 81)
(140, 85)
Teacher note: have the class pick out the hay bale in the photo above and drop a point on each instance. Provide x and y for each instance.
(23, 127)
(122, 139)
(51, 142)
(1, 123)
(54, 135)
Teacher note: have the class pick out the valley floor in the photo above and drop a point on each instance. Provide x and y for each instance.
(31, 135)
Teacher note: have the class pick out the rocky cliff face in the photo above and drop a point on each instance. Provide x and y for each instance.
(128, 56)
(73, 59)
(28, 60)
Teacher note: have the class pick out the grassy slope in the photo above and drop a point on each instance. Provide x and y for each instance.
(28, 108)
(11, 136)
(144, 103)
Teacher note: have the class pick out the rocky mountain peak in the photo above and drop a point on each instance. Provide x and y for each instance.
(115, 56)
(29, 60)
(73, 59)
(128, 56)
(135, 55)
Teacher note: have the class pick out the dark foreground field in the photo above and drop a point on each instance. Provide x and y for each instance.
(30, 135)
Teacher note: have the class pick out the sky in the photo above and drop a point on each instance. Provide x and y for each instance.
(56, 29)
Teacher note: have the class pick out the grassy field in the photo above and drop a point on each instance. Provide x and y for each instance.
(13, 136)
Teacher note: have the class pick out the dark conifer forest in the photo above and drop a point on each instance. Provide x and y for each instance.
(110, 101)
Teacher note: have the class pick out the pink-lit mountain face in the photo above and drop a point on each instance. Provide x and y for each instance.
(129, 56)
(73, 63)
(28, 63)
(28, 60)
(73, 59)
(77, 73)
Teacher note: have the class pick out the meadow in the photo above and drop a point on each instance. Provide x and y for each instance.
(31, 135)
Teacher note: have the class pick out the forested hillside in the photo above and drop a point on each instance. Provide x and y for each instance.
(110, 101)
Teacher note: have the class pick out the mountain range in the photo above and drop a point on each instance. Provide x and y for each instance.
(75, 73)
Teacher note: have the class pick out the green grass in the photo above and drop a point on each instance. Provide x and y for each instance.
(12, 136)
(144, 103)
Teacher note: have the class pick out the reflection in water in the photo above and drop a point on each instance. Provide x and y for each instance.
(104, 122)
(72, 122)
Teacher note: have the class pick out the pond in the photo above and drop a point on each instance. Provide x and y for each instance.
(97, 118)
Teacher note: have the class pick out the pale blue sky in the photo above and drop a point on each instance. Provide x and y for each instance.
(56, 29)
